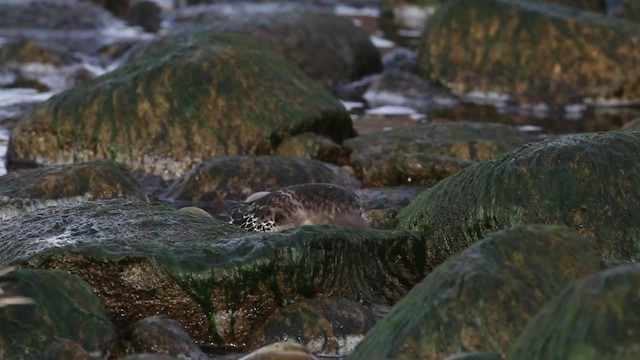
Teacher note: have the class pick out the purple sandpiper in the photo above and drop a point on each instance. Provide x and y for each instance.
(297, 205)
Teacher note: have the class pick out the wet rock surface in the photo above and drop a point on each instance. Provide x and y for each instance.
(425, 154)
(480, 299)
(186, 102)
(231, 292)
(161, 334)
(559, 181)
(402, 88)
(542, 68)
(326, 326)
(64, 307)
(313, 146)
(327, 47)
(30, 189)
(574, 323)
(219, 283)
(237, 177)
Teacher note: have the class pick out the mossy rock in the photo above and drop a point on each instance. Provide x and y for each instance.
(30, 189)
(595, 318)
(587, 182)
(323, 326)
(482, 298)
(327, 47)
(64, 307)
(203, 96)
(237, 177)
(219, 282)
(53, 15)
(313, 146)
(423, 155)
(161, 334)
(500, 52)
(592, 5)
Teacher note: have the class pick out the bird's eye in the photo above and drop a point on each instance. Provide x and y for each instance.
(278, 217)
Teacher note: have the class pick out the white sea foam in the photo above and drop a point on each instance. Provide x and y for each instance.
(344, 10)
(381, 42)
(20, 95)
(391, 110)
(413, 16)
(350, 105)
(530, 128)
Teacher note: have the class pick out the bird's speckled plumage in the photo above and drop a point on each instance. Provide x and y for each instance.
(298, 205)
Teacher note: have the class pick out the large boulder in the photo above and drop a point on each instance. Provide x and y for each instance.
(424, 155)
(595, 318)
(53, 15)
(30, 189)
(324, 326)
(218, 281)
(164, 114)
(481, 299)
(327, 47)
(588, 182)
(570, 52)
(65, 307)
(237, 177)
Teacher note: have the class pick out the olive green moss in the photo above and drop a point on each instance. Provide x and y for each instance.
(220, 282)
(102, 179)
(525, 48)
(482, 298)
(428, 153)
(595, 318)
(200, 96)
(65, 307)
(587, 182)
(326, 47)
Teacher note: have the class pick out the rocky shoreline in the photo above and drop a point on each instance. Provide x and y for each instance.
(488, 241)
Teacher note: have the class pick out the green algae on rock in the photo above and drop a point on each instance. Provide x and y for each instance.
(326, 47)
(490, 46)
(219, 282)
(202, 96)
(425, 154)
(236, 177)
(595, 318)
(482, 298)
(30, 189)
(313, 146)
(64, 307)
(588, 182)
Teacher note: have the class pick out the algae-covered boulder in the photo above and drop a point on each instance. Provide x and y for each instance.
(203, 96)
(313, 146)
(30, 189)
(326, 326)
(588, 182)
(130, 229)
(595, 318)
(236, 177)
(53, 15)
(219, 282)
(327, 47)
(534, 52)
(64, 307)
(482, 298)
(423, 155)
